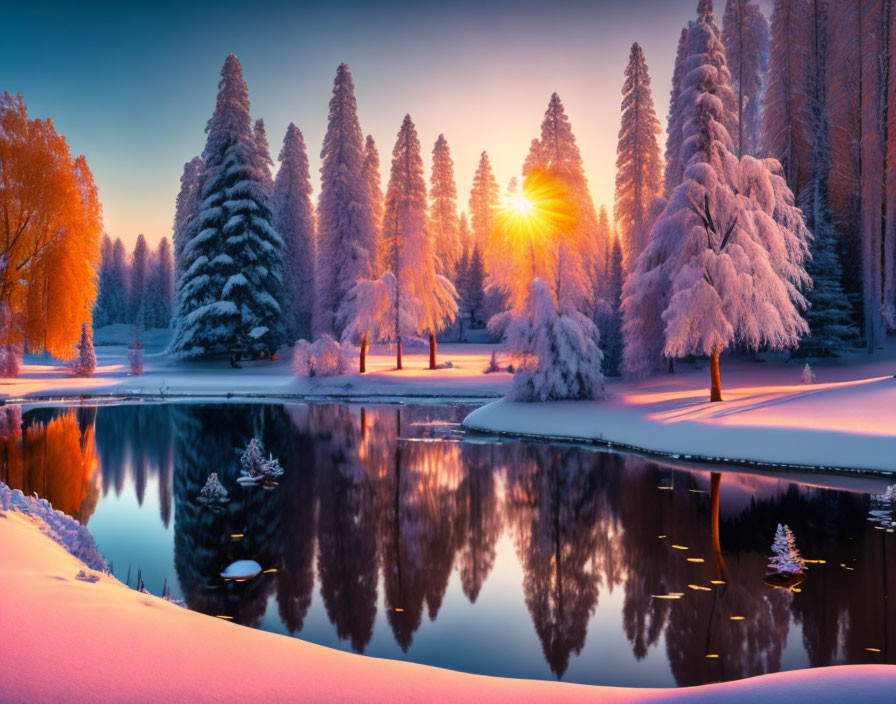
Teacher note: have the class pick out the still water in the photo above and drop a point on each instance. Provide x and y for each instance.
(395, 535)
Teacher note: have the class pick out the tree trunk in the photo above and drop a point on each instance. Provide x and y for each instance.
(715, 393)
(398, 354)
(432, 350)
(716, 486)
(671, 365)
(362, 360)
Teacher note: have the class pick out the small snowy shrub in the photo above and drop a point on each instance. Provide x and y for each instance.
(213, 492)
(323, 358)
(808, 376)
(786, 558)
(135, 353)
(85, 363)
(560, 354)
(445, 365)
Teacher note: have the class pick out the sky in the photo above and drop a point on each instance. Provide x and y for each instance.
(131, 85)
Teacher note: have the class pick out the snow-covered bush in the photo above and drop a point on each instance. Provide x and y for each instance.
(325, 357)
(808, 376)
(255, 469)
(10, 359)
(85, 363)
(559, 352)
(213, 492)
(786, 558)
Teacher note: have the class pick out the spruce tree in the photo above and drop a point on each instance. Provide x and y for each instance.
(119, 283)
(582, 251)
(831, 328)
(745, 36)
(639, 166)
(186, 209)
(294, 220)
(423, 299)
(474, 290)
(160, 287)
(229, 292)
(443, 222)
(139, 280)
(609, 319)
(483, 203)
(265, 162)
(370, 172)
(101, 309)
(674, 167)
(346, 235)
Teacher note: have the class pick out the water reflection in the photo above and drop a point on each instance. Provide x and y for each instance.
(383, 517)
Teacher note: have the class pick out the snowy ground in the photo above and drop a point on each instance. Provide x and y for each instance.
(66, 638)
(847, 419)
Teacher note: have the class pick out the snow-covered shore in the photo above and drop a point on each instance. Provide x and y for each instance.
(847, 420)
(73, 640)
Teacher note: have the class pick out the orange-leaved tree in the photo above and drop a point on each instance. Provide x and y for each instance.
(50, 227)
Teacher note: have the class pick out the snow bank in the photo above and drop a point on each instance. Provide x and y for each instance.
(847, 424)
(57, 636)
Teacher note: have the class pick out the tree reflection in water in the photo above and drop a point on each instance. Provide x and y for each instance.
(380, 505)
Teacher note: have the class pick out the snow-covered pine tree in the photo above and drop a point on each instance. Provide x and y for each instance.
(726, 257)
(119, 283)
(464, 236)
(831, 328)
(229, 292)
(786, 559)
(600, 272)
(473, 300)
(85, 363)
(443, 221)
(160, 287)
(368, 314)
(266, 163)
(483, 203)
(137, 288)
(674, 168)
(104, 290)
(186, 209)
(424, 300)
(294, 221)
(558, 351)
(639, 165)
(346, 236)
(745, 36)
(609, 317)
(581, 251)
(370, 172)
(784, 108)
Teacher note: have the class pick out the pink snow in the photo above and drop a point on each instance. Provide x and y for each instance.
(70, 640)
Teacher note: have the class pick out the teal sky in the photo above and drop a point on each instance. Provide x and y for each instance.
(132, 84)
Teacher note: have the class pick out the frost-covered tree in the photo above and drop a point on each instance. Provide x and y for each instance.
(159, 287)
(831, 329)
(424, 300)
(558, 352)
(555, 165)
(724, 265)
(368, 314)
(786, 558)
(745, 36)
(265, 162)
(346, 236)
(294, 221)
(443, 223)
(674, 119)
(784, 109)
(84, 364)
(601, 270)
(483, 202)
(119, 283)
(370, 172)
(639, 165)
(186, 209)
(230, 289)
(139, 279)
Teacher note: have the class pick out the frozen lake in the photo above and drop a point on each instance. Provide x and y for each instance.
(394, 534)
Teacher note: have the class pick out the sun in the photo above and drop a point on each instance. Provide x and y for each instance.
(521, 205)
